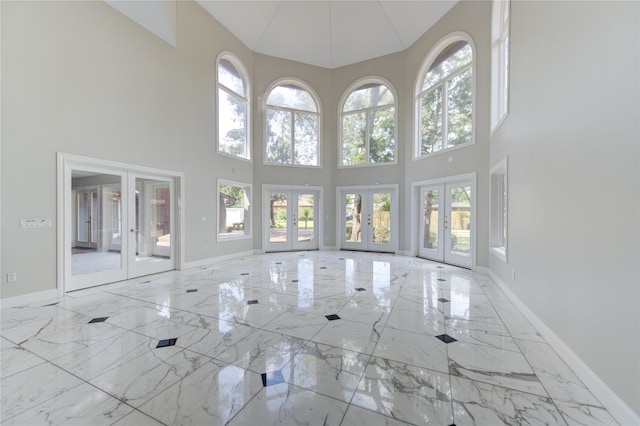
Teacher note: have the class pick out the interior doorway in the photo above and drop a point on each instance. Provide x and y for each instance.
(115, 222)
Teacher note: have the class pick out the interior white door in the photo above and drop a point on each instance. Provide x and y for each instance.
(118, 225)
(368, 218)
(291, 219)
(151, 221)
(445, 227)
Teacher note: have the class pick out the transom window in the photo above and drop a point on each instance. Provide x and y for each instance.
(293, 123)
(368, 131)
(445, 99)
(233, 108)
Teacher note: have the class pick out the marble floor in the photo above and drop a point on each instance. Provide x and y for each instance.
(318, 338)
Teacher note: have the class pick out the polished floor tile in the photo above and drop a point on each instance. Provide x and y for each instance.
(326, 338)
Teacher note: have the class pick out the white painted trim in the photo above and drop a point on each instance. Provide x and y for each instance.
(328, 248)
(482, 270)
(211, 260)
(29, 298)
(404, 253)
(612, 402)
(414, 197)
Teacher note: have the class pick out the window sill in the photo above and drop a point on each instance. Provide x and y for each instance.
(500, 253)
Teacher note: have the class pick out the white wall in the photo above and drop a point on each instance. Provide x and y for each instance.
(81, 78)
(572, 141)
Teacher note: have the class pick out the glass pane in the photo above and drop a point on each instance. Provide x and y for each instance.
(381, 219)
(382, 139)
(430, 238)
(278, 219)
(232, 117)
(229, 76)
(278, 136)
(452, 58)
(461, 220)
(431, 122)
(353, 218)
(306, 220)
(294, 97)
(233, 203)
(353, 139)
(459, 101)
(368, 96)
(306, 139)
(97, 210)
(153, 220)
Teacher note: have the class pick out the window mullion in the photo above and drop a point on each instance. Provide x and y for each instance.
(445, 115)
(367, 136)
(293, 136)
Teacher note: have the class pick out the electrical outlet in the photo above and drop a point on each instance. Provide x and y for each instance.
(12, 277)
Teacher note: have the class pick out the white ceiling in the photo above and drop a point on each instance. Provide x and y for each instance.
(328, 34)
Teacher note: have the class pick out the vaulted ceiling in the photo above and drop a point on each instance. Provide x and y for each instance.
(328, 34)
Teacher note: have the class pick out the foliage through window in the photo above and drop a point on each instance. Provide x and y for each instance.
(445, 100)
(234, 214)
(233, 109)
(292, 126)
(368, 126)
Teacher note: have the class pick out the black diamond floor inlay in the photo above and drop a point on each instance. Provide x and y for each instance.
(441, 279)
(166, 342)
(244, 273)
(272, 378)
(294, 281)
(52, 304)
(192, 290)
(323, 267)
(446, 338)
(101, 319)
(145, 282)
(360, 289)
(341, 258)
(440, 267)
(443, 300)
(278, 263)
(252, 302)
(332, 317)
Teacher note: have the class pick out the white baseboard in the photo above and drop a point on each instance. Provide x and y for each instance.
(210, 260)
(404, 253)
(483, 270)
(328, 248)
(612, 402)
(29, 299)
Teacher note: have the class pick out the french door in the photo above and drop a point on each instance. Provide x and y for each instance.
(446, 211)
(291, 218)
(117, 224)
(368, 218)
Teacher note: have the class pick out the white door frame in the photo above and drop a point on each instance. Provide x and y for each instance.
(340, 218)
(64, 224)
(319, 205)
(416, 214)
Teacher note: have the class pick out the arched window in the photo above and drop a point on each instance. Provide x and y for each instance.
(233, 107)
(444, 99)
(499, 62)
(292, 125)
(368, 124)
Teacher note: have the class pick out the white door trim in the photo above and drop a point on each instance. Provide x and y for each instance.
(340, 220)
(67, 162)
(415, 207)
(266, 187)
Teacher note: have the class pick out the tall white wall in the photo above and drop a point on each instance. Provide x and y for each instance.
(81, 78)
(572, 138)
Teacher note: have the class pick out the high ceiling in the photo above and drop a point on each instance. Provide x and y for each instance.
(328, 34)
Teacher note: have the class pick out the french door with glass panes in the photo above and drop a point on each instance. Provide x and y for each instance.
(445, 223)
(117, 225)
(368, 218)
(291, 218)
